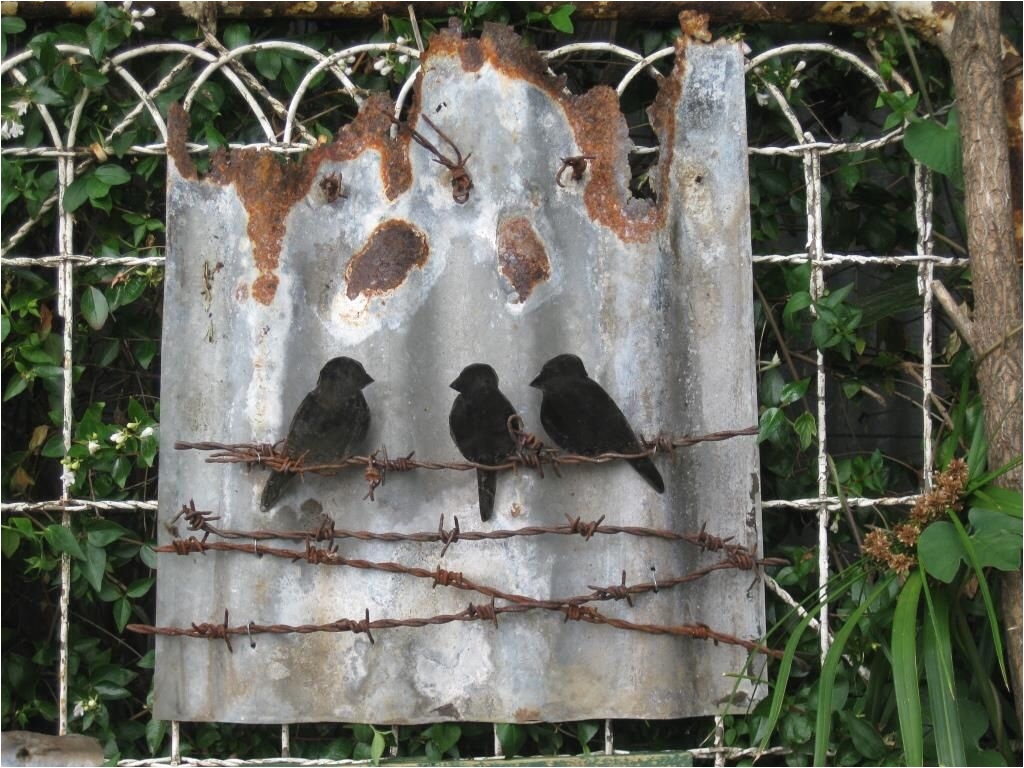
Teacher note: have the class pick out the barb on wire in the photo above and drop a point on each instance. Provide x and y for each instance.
(530, 454)
(329, 555)
(577, 164)
(326, 530)
(461, 181)
(475, 612)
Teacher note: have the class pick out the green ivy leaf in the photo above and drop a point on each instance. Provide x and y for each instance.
(269, 64)
(112, 174)
(561, 18)
(940, 551)
(806, 428)
(937, 147)
(94, 565)
(122, 612)
(585, 731)
(12, 25)
(793, 391)
(771, 424)
(76, 194)
(63, 540)
(94, 307)
(997, 539)
(9, 541)
(236, 35)
(15, 387)
(511, 737)
(103, 532)
(139, 588)
(377, 747)
(156, 731)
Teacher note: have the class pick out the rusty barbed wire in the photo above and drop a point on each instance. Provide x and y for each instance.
(577, 164)
(326, 530)
(461, 181)
(329, 555)
(475, 612)
(530, 455)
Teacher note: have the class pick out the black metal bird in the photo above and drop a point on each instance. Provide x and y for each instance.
(479, 426)
(331, 419)
(581, 417)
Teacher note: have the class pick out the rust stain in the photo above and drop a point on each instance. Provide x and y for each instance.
(269, 186)
(524, 715)
(597, 122)
(694, 25)
(394, 248)
(522, 256)
(178, 123)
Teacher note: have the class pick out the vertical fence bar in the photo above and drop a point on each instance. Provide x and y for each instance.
(609, 737)
(65, 303)
(286, 746)
(815, 252)
(175, 742)
(719, 741)
(923, 199)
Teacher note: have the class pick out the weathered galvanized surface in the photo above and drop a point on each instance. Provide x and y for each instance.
(270, 273)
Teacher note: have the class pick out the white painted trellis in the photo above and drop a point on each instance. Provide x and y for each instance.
(70, 161)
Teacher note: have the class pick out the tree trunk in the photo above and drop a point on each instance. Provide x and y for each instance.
(974, 56)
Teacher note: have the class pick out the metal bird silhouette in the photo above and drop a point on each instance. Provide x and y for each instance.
(479, 426)
(582, 418)
(331, 419)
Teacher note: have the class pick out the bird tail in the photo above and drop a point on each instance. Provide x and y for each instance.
(272, 491)
(649, 472)
(486, 486)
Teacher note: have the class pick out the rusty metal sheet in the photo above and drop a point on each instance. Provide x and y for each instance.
(358, 249)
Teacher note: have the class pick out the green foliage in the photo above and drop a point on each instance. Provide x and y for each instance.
(931, 645)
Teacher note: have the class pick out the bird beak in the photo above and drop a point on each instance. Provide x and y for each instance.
(537, 381)
(455, 384)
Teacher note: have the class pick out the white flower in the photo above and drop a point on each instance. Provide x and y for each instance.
(794, 84)
(801, 66)
(348, 70)
(400, 40)
(138, 25)
(11, 129)
(132, 425)
(379, 64)
(147, 432)
(762, 98)
(21, 106)
(118, 438)
(93, 447)
(68, 476)
(79, 709)
(403, 59)
(386, 69)
(350, 59)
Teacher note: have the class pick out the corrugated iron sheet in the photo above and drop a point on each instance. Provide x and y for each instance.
(359, 249)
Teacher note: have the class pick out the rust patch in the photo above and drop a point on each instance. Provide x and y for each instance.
(694, 25)
(178, 122)
(269, 186)
(394, 248)
(524, 715)
(597, 122)
(522, 256)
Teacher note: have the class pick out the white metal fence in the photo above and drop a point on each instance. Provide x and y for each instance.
(215, 61)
